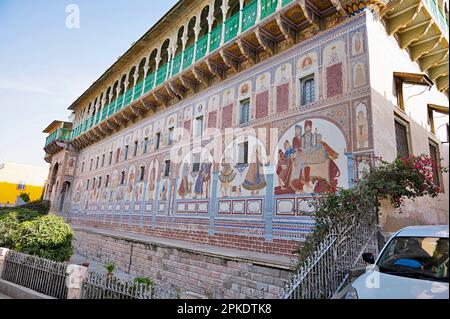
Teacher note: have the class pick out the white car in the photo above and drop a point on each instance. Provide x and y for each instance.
(412, 265)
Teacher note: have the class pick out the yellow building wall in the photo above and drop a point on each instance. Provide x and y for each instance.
(9, 192)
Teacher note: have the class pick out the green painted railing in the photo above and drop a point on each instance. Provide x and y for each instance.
(249, 15)
(61, 134)
(232, 27)
(188, 57)
(438, 15)
(268, 7)
(128, 97)
(216, 38)
(176, 66)
(161, 74)
(138, 89)
(202, 48)
(149, 82)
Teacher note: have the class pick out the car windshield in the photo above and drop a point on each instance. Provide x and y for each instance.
(416, 257)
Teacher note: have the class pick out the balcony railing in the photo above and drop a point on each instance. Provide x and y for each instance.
(438, 15)
(61, 134)
(241, 21)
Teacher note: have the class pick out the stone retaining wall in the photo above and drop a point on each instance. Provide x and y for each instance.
(207, 275)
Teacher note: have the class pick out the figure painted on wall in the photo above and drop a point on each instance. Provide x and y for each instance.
(152, 180)
(255, 179)
(163, 193)
(334, 66)
(363, 167)
(359, 75)
(362, 134)
(131, 181)
(357, 43)
(201, 188)
(307, 63)
(308, 166)
(185, 186)
(138, 192)
(226, 176)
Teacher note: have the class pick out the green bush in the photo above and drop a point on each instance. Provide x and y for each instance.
(9, 226)
(46, 237)
(42, 206)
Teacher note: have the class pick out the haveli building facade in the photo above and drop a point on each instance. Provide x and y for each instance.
(228, 117)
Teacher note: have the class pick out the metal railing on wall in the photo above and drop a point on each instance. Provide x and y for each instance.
(52, 279)
(327, 270)
(38, 274)
(103, 286)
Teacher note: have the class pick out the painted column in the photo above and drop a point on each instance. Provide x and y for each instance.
(241, 7)
(213, 204)
(183, 43)
(117, 96)
(225, 7)
(269, 201)
(196, 34)
(143, 204)
(258, 11)
(168, 202)
(157, 60)
(155, 204)
(350, 169)
(210, 24)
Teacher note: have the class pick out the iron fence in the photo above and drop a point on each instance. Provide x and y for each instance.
(104, 286)
(326, 272)
(41, 275)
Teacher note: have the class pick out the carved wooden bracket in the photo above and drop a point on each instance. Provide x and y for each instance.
(230, 60)
(201, 76)
(411, 34)
(310, 15)
(247, 50)
(400, 20)
(149, 106)
(177, 90)
(164, 100)
(289, 32)
(216, 69)
(265, 40)
(189, 83)
(424, 47)
(337, 4)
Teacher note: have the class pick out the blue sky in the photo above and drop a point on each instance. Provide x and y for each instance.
(45, 66)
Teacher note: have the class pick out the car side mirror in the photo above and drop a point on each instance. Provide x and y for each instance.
(368, 258)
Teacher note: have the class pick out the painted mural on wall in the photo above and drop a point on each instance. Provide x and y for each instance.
(335, 71)
(311, 159)
(195, 176)
(153, 170)
(237, 178)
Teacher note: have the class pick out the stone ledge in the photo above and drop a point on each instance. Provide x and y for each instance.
(266, 260)
(18, 292)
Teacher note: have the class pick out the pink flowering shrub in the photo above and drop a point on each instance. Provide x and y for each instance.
(404, 178)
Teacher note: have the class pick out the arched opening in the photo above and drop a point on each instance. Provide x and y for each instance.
(204, 22)
(108, 92)
(62, 198)
(114, 90)
(152, 62)
(218, 16)
(53, 178)
(179, 41)
(122, 85)
(130, 83)
(94, 107)
(164, 53)
(141, 70)
(191, 33)
(234, 8)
